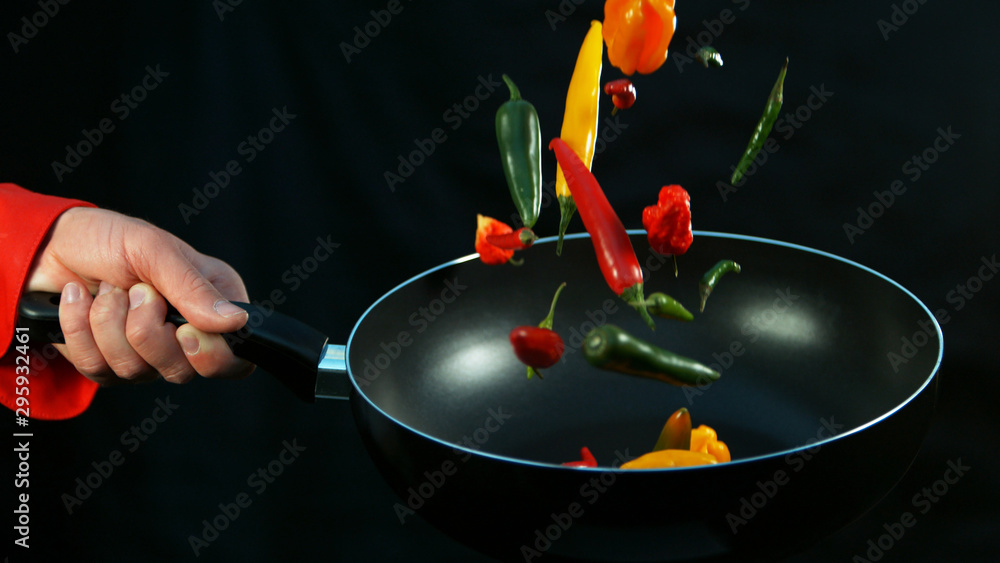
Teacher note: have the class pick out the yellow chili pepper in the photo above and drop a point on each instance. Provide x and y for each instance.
(579, 128)
(670, 458)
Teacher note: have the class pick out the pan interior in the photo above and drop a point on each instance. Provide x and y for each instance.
(808, 345)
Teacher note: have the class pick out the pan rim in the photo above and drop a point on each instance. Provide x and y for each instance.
(358, 391)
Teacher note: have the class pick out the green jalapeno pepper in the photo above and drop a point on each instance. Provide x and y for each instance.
(520, 140)
(712, 277)
(609, 347)
(663, 305)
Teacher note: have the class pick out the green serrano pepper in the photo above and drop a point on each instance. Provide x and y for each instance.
(663, 305)
(520, 140)
(711, 277)
(763, 128)
(609, 347)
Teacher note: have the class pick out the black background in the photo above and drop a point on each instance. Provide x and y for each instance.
(323, 176)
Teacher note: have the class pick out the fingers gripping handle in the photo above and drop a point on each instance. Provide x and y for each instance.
(286, 348)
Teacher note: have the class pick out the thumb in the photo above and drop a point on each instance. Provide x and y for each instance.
(194, 296)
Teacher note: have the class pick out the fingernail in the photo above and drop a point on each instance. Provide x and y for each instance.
(190, 344)
(136, 296)
(105, 287)
(71, 293)
(227, 309)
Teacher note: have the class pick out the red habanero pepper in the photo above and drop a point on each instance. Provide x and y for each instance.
(622, 93)
(587, 459)
(615, 254)
(516, 240)
(488, 253)
(668, 223)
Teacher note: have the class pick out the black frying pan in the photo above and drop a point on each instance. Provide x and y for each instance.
(828, 383)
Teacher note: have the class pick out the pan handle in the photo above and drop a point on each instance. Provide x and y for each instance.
(289, 350)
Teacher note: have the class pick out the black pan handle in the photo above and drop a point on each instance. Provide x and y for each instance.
(284, 347)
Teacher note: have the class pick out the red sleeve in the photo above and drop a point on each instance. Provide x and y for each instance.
(56, 390)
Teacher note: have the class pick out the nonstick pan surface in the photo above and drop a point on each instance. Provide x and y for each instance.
(821, 402)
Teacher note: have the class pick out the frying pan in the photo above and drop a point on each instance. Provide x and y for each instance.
(828, 384)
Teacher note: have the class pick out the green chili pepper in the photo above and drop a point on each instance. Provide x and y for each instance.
(520, 140)
(711, 277)
(609, 347)
(708, 56)
(676, 433)
(663, 305)
(763, 128)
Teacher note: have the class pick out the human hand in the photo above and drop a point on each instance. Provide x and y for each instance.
(136, 268)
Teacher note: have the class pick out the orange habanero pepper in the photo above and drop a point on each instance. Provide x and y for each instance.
(637, 33)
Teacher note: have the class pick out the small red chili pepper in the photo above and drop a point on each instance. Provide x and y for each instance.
(587, 459)
(668, 223)
(539, 346)
(622, 93)
(615, 254)
(488, 253)
(516, 240)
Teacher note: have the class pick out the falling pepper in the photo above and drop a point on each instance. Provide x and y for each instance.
(611, 348)
(676, 433)
(638, 33)
(579, 128)
(771, 111)
(488, 253)
(615, 254)
(712, 277)
(539, 346)
(622, 93)
(520, 141)
(515, 240)
(587, 459)
(668, 223)
(663, 305)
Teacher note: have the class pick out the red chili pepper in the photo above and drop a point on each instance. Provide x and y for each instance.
(539, 346)
(488, 253)
(587, 459)
(622, 93)
(516, 240)
(615, 254)
(668, 223)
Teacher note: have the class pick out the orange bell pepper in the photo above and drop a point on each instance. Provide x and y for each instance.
(670, 458)
(637, 33)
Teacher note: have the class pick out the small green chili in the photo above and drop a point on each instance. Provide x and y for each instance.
(763, 128)
(711, 277)
(519, 137)
(663, 305)
(708, 56)
(609, 347)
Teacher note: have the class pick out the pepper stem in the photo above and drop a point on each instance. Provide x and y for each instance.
(567, 207)
(675, 265)
(547, 321)
(515, 93)
(633, 296)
